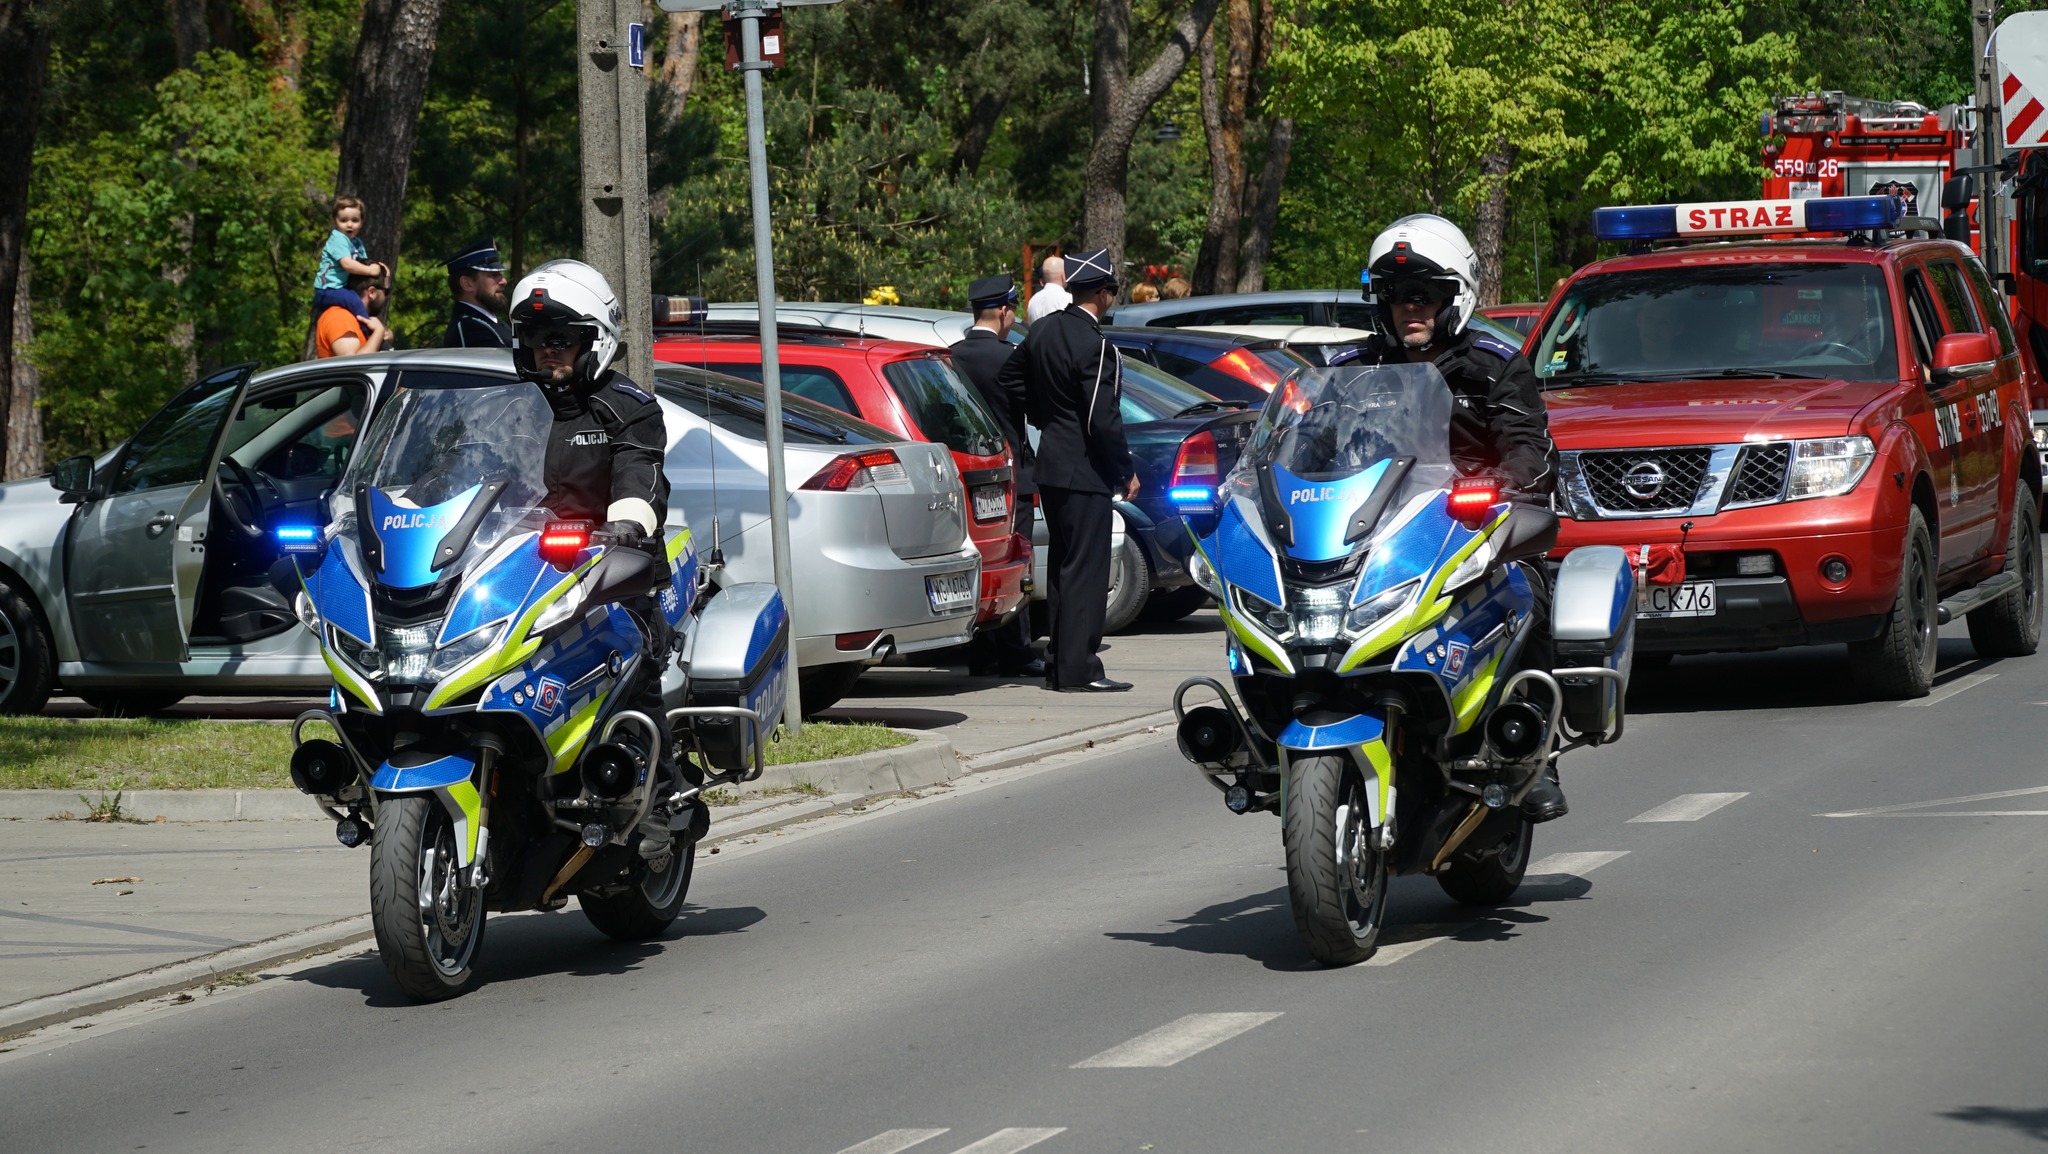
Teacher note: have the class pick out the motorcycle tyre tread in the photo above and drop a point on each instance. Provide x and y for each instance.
(394, 903)
(1314, 786)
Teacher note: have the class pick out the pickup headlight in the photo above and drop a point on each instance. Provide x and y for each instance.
(1828, 466)
(1372, 611)
(1264, 612)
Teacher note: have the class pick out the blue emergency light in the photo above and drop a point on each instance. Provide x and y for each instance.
(298, 538)
(1736, 218)
(1201, 495)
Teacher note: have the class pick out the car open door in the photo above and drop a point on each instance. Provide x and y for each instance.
(138, 541)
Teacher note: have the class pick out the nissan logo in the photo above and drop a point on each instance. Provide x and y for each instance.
(1643, 480)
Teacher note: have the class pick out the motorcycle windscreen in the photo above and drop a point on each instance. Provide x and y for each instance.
(1335, 447)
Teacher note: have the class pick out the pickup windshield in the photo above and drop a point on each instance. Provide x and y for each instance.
(1790, 319)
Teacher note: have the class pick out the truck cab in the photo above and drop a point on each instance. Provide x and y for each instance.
(1808, 425)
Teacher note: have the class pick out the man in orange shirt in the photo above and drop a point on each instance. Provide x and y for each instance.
(340, 333)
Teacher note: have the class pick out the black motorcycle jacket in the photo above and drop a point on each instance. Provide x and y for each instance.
(604, 455)
(1499, 423)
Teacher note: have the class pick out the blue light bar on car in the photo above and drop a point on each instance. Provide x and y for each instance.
(1740, 217)
(298, 538)
(1192, 495)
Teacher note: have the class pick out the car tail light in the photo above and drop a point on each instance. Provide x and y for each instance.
(852, 641)
(1194, 473)
(856, 470)
(1471, 497)
(562, 541)
(1246, 366)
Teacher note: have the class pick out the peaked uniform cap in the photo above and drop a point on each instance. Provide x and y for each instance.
(479, 255)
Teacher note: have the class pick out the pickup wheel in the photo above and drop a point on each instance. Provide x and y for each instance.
(27, 673)
(2011, 625)
(1899, 662)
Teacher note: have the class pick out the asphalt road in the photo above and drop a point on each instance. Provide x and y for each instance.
(1094, 955)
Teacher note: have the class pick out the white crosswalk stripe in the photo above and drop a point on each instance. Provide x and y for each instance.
(1176, 1041)
(1562, 867)
(1011, 1140)
(893, 1141)
(1689, 807)
(1943, 693)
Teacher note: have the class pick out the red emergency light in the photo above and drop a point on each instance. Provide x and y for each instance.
(1471, 497)
(561, 542)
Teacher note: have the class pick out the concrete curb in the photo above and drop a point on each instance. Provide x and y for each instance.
(1063, 743)
(927, 760)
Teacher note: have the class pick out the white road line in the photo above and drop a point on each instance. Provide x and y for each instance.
(1949, 690)
(1689, 807)
(2030, 790)
(1388, 955)
(1562, 867)
(1175, 1042)
(1969, 813)
(893, 1141)
(1011, 1140)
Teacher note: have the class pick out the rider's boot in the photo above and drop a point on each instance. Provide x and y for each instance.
(1545, 800)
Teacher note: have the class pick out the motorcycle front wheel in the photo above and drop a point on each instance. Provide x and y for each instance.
(1336, 881)
(428, 917)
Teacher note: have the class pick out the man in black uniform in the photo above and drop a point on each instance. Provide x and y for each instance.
(604, 452)
(1425, 285)
(1072, 381)
(476, 279)
(980, 356)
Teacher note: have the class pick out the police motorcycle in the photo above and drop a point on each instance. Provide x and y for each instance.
(483, 653)
(1377, 611)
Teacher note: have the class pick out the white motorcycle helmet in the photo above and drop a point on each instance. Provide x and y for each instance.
(566, 294)
(1427, 248)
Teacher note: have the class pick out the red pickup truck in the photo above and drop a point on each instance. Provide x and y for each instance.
(1811, 439)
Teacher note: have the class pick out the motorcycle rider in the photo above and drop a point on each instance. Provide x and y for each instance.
(1424, 280)
(604, 452)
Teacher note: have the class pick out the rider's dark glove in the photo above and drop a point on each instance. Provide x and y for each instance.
(626, 533)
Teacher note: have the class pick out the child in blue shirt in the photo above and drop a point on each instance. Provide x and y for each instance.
(341, 257)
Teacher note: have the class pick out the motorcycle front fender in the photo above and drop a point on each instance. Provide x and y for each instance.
(452, 779)
(1364, 738)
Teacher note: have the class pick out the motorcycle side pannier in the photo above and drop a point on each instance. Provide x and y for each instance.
(738, 655)
(1593, 622)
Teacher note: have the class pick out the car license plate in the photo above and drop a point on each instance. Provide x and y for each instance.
(989, 503)
(950, 591)
(1692, 599)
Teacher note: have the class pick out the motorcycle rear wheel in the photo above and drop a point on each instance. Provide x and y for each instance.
(1336, 883)
(1493, 878)
(648, 907)
(429, 919)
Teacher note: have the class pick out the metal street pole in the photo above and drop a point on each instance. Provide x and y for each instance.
(1990, 214)
(612, 125)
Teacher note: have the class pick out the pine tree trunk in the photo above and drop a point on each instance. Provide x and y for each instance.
(387, 85)
(24, 66)
(679, 63)
(24, 419)
(1119, 103)
(1258, 241)
(1490, 239)
(1226, 85)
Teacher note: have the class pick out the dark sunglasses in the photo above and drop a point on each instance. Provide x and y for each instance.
(1416, 294)
(558, 339)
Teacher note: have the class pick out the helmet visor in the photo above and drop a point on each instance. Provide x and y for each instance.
(1420, 291)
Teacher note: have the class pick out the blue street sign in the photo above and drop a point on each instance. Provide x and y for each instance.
(636, 45)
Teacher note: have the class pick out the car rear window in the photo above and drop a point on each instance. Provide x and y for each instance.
(1151, 395)
(740, 407)
(943, 406)
(807, 381)
(1805, 319)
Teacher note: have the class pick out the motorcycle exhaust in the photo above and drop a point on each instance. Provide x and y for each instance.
(612, 770)
(1517, 730)
(320, 766)
(1209, 736)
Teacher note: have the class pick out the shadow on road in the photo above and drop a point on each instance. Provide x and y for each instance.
(2032, 1123)
(907, 717)
(521, 948)
(1785, 678)
(1258, 927)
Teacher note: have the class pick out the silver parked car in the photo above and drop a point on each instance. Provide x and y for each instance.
(155, 572)
(881, 556)
(938, 327)
(1343, 308)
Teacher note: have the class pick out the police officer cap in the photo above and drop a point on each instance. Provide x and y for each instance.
(479, 255)
(1089, 270)
(993, 291)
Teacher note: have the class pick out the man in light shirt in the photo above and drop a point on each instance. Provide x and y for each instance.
(1054, 295)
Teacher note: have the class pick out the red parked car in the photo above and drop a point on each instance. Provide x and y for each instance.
(910, 390)
(1810, 439)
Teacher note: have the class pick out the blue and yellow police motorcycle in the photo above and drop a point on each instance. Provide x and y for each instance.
(483, 654)
(1377, 606)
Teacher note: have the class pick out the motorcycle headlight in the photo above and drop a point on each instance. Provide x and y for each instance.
(1471, 568)
(1318, 613)
(308, 616)
(1205, 577)
(1263, 611)
(562, 610)
(451, 657)
(1376, 609)
(1828, 466)
(355, 651)
(407, 650)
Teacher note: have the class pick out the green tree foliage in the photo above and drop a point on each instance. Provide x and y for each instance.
(199, 214)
